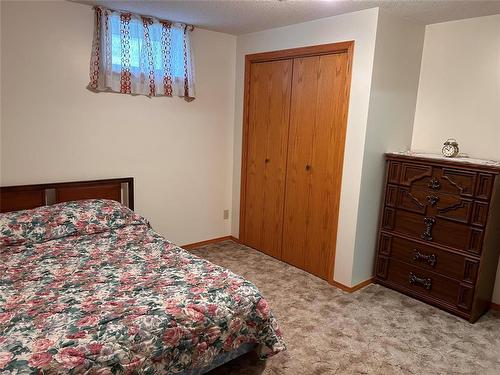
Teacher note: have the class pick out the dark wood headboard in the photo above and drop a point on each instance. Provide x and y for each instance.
(22, 197)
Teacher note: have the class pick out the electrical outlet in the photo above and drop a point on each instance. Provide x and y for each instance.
(226, 214)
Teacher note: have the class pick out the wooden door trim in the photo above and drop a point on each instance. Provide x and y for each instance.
(318, 50)
(291, 53)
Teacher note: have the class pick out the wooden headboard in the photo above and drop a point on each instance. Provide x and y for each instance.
(22, 197)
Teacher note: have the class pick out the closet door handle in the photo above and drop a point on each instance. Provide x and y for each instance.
(308, 167)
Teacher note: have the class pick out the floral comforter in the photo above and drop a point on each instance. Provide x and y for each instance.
(89, 287)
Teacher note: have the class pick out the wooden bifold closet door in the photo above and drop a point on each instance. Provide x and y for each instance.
(296, 116)
(315, 155)
(269, 109)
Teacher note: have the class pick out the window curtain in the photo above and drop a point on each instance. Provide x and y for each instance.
(141, 55)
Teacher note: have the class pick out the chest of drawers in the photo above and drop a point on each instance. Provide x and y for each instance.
(439, 237)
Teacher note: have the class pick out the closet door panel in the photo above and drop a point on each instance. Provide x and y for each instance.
(276, 151)
(326, 163)
(318, 117)
(269, 106)
(298, 183)
(257, 128)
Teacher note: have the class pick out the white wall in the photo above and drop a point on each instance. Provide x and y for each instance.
(396, 68)
(459, 91)
(53, 129)
(360, 27)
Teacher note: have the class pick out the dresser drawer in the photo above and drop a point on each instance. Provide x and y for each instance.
(433, 229)
(441, 179)
(447, 206)
(423, 283)
(429, 257)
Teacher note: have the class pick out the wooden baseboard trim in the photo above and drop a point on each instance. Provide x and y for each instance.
(207, 242)
(351, 289)
(237, 240)
(495, 306)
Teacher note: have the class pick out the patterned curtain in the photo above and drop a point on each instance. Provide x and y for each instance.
(139, 55)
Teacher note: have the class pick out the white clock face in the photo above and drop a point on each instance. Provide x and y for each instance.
(449, 150)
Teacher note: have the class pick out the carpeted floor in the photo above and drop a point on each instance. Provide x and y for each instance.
(372, 331)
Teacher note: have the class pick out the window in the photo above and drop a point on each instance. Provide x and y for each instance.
(135, 54)
(136, 46)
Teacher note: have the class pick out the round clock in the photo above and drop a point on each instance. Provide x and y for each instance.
(450, 148)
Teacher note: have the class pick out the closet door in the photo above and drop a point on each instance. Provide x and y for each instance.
(268, 121)
(318, 120)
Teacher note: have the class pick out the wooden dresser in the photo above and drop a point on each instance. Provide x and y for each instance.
(439, 237)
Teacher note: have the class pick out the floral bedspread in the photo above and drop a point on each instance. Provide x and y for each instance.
(89, 287)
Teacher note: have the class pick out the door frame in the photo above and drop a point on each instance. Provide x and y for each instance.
(291, 53)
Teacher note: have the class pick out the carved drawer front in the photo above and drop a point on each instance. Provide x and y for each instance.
(434, 229)
(381, 267)
(431, 258)
(445, 206)
(437, 179)
(419, 282)
(391, 195)
(484, 185)
(416, 174)
(412, 201)
(394, 170)
(453, 208)
(479, 213)
(458, 181)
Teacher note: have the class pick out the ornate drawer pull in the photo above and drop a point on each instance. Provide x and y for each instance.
(415, 280)
(431, 259)
(432, 200)
(434, 184)
(429, 222)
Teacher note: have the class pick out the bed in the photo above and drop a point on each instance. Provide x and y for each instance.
(87, 286)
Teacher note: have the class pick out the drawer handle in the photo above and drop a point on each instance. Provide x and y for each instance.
(429, 223)
(430, 259)
(422, 281)
(432, 200)
(434, 184)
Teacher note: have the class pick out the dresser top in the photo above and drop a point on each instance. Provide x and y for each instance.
(459, 160)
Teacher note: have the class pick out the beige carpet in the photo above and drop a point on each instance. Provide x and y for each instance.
(372, 331)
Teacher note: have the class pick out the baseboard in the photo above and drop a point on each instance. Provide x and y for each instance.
(351, 289)
(495, 306)
(207, 242)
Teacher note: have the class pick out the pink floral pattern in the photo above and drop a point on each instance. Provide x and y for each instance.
(64, 219)
(110, 295)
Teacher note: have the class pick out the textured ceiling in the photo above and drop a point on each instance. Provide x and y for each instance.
(240, 17)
